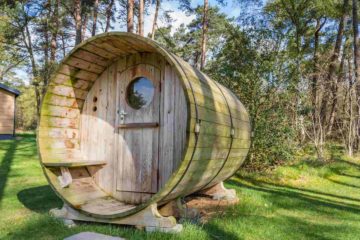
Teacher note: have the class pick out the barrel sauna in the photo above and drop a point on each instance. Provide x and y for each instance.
(125, 124)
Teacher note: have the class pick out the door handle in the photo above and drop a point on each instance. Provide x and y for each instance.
(122, 116)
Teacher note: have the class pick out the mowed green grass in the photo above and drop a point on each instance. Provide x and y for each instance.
(304, 200)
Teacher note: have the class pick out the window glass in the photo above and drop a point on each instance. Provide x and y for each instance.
(140, 92)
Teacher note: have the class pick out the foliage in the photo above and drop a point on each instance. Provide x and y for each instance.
(300, 200)
(251, 74)
(293, 63)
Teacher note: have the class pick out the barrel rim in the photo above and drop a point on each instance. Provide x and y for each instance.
(162, 192)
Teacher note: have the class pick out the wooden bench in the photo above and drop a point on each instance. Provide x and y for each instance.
(65, 179)
(72, 164)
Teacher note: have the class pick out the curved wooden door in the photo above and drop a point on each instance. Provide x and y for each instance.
(138, 135)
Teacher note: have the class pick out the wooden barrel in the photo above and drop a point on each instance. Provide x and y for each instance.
(125, 123)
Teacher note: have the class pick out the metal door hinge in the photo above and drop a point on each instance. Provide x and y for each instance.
(197, 127)
(232, 132)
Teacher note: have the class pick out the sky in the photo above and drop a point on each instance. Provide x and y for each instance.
(231, 9)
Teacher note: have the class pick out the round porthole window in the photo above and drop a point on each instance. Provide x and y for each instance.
(140, 92)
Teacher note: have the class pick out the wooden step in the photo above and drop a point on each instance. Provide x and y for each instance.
(71, 164)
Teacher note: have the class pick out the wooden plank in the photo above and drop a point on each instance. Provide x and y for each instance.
(82, 189)
(62, 79)
(219, 105)
(54, 143)
(167, 130)
(104, 43)
(181, 122)
(210, 128)
(91, 57)
(7, 122)
(139, 125)
(59, 111)
(6, 130)
(70, 163)
(99, 126)
(60, 133)
(77, 73)
(67, 91)
(210, 141)
(209, 115)
(60, 155)
(213, 153)
(7, 108)
(99, 51)
(106, 206)
(121, 46)
(6, 117)
(204, 90)
(63, 101)
(140, 45)
(48, 121)
(84, 65)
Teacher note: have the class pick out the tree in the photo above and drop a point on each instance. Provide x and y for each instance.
(357, 68)
(141, 18)
(130, 16)
(154, 26)
(331, 79)
(109, 14)
(54, 31)
(95, 14)
(78, 21)
(204, 34)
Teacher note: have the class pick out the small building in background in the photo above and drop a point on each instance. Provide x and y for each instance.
(7, 110)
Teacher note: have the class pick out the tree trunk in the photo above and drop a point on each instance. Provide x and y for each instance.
(78, 23)
(204, 34)
(356, 41)
(95, 13)
(46, 69)
(109, 15)
(63, 47)
(314, 83)
(357, 68)
(130, 16)
(331, 79)
(334, 102)
(141, 18)
(318, 128)
(155, 19)
(84, 25)
(35, 81)
(54, 32)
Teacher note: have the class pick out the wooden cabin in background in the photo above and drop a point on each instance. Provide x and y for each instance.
(7, 109)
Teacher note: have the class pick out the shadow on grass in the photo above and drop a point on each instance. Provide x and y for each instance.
(39, 199)
(40, 227)
(313, 198)
(350, 175)
(5, 167)
(214, 231)
(343, 183)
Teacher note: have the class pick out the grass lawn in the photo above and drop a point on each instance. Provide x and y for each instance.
(304, 200)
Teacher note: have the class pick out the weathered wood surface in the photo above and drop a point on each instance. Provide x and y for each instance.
(7, 107)
(79, 121)
(138, 151)
(97, 128)
(71, 164)
(139, 125)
